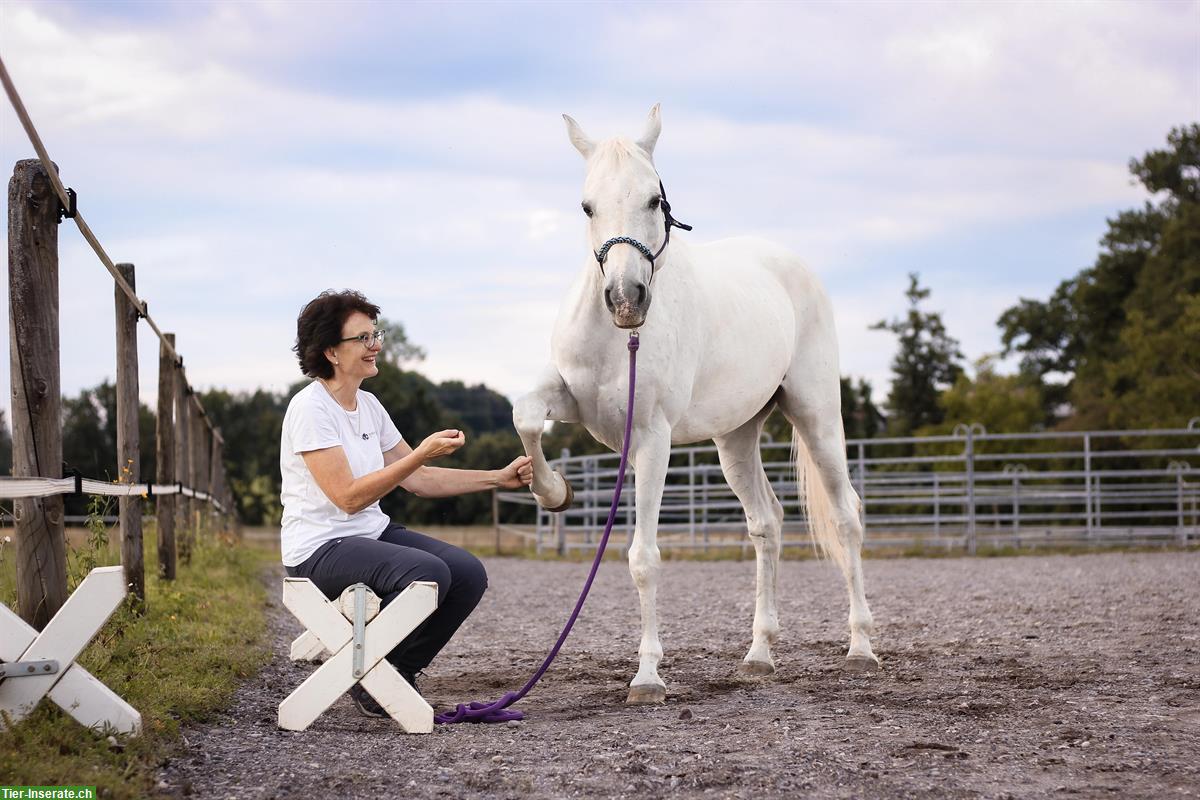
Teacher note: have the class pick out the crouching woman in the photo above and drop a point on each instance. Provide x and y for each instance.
(339, 454)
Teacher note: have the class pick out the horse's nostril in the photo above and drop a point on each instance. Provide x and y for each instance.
(641, 294)
(608, 301)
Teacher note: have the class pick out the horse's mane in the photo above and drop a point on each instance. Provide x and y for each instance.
(618, 150)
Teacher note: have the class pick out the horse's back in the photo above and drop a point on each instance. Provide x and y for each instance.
(750, 261)
(776, 274)
(751, 309)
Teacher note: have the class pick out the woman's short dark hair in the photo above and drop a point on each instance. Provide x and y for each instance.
(320, 327)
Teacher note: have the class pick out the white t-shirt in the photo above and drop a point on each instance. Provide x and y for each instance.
(314, 421)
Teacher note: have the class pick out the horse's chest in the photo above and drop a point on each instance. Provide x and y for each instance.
(601, 396)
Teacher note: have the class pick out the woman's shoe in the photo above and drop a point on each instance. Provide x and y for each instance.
(367, 705)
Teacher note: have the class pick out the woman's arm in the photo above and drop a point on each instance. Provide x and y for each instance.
(331, 471)
(441, 482)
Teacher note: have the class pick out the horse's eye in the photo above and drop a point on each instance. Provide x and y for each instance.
(587, 209)
(654, 203)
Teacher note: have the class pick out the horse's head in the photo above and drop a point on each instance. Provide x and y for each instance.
(628, 220)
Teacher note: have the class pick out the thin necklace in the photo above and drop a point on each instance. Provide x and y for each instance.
(350, 415)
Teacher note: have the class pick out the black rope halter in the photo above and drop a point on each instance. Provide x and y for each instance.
(668, 223)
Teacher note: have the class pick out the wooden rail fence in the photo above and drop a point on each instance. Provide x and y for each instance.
(190, 487)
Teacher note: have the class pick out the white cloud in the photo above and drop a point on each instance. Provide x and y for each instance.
(241, 192)
(960, 55)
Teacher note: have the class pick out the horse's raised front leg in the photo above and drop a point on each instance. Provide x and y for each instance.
(650, 473)
(741, 462)
(549, 401)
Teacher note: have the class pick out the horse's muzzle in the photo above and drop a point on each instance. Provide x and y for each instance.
(627, 301)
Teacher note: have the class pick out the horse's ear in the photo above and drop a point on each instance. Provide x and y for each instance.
(653, 129)
(582, 143)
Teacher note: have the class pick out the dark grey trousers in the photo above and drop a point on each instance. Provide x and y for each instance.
(389, 564)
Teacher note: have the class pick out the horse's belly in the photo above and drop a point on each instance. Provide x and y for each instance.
(719, 409)
(744, 363)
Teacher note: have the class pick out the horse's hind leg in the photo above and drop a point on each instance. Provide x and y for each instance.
(833, 505)
(741, 461)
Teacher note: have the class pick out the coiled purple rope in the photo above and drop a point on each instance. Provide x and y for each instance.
(497, 711)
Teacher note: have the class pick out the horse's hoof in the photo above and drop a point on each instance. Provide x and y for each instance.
(565, 503)
(756, 669)
(646, 694)
(860, 664)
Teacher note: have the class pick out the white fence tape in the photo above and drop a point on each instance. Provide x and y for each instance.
(13, 488)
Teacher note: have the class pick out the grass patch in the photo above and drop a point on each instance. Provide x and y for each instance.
(201, 635)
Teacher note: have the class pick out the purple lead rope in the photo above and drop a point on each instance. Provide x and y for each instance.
(497, 711)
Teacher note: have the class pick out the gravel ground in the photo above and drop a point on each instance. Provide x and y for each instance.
(1040, 676)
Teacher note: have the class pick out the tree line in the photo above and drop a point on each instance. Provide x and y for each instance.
(1115, 346)
(251, 424)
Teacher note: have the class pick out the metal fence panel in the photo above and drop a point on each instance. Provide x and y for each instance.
(957, 492)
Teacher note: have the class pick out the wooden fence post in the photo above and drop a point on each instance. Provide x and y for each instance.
(164, 441)
(183, 460)
(227, 497)
(41, 552)
(195, 463)
(129, 467)
(205, 485)
(214, 470)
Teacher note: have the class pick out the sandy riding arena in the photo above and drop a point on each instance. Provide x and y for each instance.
(1048, 676)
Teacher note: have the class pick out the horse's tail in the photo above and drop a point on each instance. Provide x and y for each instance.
(818, 506)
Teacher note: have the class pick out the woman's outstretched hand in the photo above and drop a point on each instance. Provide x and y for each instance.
(442, 443)
(517, 474)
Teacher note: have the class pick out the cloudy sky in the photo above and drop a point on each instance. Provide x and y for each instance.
(246, 156)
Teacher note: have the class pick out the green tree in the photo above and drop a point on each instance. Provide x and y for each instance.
(90, 434)
(1090, 342)
(251, 424)
(1154, 380)
(926, 363)
(89, 427)
(860, 416)
(397, 349)
(1041, 332)
(1001, 403)
(481, 409)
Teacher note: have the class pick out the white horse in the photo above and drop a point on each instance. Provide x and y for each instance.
(739, 326)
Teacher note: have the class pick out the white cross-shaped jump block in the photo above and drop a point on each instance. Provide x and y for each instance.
(307, 647)
(74, 689)
(332, 628)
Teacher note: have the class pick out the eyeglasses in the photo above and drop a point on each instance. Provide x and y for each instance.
(368, 340)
